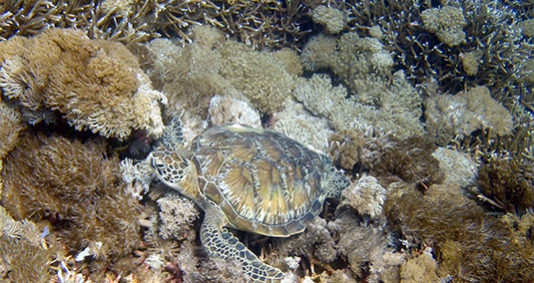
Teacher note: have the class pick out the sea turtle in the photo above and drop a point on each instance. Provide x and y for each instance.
(249, 179)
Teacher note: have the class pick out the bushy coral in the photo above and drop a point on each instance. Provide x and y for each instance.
(193, 73)
(469, 244)
(63, 70)
(365, 195)
(459, 115)
(297, 123)
(24, 258)
(409, 159)
(76, 186)
(419, 269)
(176, 216)
(224, 110)
(331, 18)
(10, 126)
(447, 23)
(508, 183)
(457, 167)
(395, 110)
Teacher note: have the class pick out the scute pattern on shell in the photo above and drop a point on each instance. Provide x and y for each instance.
(263, 181)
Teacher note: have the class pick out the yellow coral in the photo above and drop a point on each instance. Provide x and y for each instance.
(63, 70)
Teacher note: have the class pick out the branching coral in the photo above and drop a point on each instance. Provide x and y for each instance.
(77, 187)
(62, 70)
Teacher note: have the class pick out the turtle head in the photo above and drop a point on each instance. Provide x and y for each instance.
(175, 171)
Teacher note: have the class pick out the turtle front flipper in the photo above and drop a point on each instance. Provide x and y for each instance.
(220, 242)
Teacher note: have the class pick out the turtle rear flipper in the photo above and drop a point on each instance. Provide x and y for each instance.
(220, 242)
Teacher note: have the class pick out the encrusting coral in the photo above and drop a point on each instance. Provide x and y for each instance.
(77, 187)
(63, 70)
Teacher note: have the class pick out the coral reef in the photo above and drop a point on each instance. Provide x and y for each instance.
(192, 74)
(297, 123)
(419, 269)
(77, 187)
(396, 110)
(63, 70)
(11, 125)
(447, 23)
(224, 110)
(331, 18)
(24, 256)
(460, 115)
(469, 244)
(457, 167)
(508, 184)
(365, 195)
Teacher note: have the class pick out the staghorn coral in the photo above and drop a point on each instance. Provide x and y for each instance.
(62, 70)
(469, 244)
(461, 114)
(78, 188)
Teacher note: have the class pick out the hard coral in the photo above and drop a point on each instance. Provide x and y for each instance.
(62, 70)
(77, 187)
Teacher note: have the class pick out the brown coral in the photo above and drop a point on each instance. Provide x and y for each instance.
(77, 187)
(469, 244)
(508, 184)
(63, 70)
